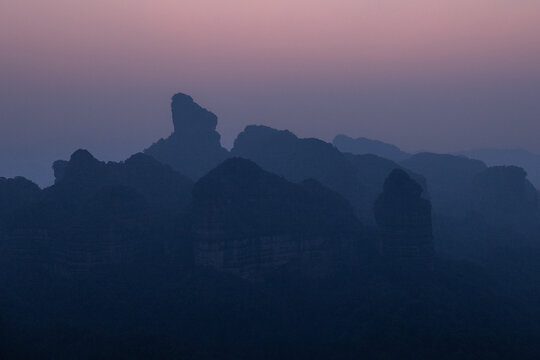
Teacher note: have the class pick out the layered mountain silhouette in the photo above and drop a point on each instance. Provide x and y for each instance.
(404, 218)
(373, 171)
(194, 147)
(270, 251)
(474, 187)
(361, 146)
(83, 175)
(449, 178)
(249, 221)
(282, 153)
(358, 178)
(476, 211)
(96, 213)
(503, 193)
(527, 160)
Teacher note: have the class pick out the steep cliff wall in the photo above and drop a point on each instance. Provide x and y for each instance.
(251, 222)
(404, 218)
(194, 147)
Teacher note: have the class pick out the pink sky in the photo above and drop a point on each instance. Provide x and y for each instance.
(424, 74)
(261, 38)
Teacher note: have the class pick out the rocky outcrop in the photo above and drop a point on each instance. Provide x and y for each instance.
(361, 146)
(358, 178)
(112, 214)
(251, 222)
(373, 171)
(281, 152)
(96, 215)
(477, 210)
(83, 176)
(404, 219)
(194, 147)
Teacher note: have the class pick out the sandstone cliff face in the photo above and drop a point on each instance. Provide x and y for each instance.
(404, 218)
(256, 256)
(251, 222)
(194, 147)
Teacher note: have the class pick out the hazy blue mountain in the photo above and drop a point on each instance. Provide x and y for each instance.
(529, 161)
(266, 255)
(251, 222)
(283, 153)
(83, 175)
(242, 198)
(358, 178)
(96, 214)
(194, 147)
(362, 146)
(373, 171)
(404, 219)
(478, 210)
(504, 194)
(449, 179)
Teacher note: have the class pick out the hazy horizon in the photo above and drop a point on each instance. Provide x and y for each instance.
(442, 77)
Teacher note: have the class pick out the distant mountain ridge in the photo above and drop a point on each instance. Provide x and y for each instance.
(83, 175)
(529, 161)
(298, 159)
(361, 146)
(269, 251)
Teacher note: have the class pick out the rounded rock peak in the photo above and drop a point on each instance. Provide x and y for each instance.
(400, 184)
(181, 97)
(189, 117)
(82, 156)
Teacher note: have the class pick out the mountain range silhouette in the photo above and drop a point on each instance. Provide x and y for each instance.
(284, 247)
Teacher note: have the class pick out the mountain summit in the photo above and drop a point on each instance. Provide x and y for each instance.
(194, 147)
(361, 146)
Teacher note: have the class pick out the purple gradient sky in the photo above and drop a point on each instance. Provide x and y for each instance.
(441, 75)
